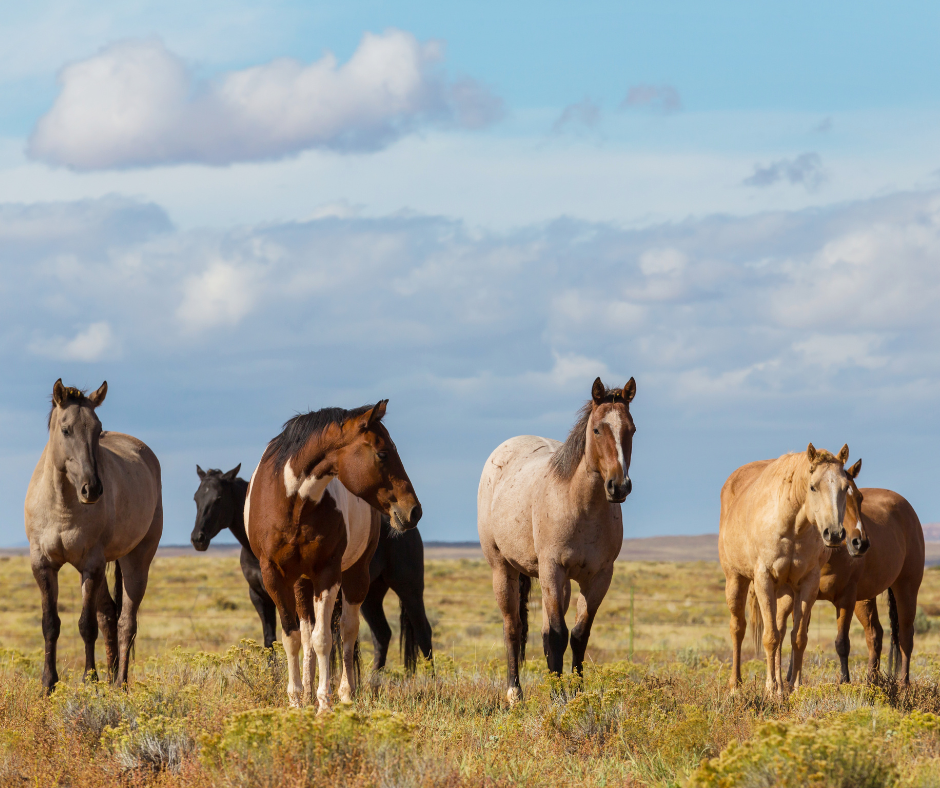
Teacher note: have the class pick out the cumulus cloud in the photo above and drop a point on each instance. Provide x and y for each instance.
(94, 343)
(136, 104)
(658, 98)
(805, 170)
(584, 115)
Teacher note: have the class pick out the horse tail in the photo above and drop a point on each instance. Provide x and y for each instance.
(407, 641)
(757, 621)
(336, 652)
(894, 651)
(525, 586)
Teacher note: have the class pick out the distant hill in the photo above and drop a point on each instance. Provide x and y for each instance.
(932, 532)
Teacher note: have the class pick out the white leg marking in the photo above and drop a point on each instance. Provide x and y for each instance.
(323, 641)
(306, 635)
(349, 628)
(292, 647)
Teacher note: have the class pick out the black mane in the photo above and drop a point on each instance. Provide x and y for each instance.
(300, 429)
(566, 460)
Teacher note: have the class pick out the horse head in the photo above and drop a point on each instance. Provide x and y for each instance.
(826, 493)
(74, 432)
(856, 540)
(215, 505)
(609, 438)
(368, 465)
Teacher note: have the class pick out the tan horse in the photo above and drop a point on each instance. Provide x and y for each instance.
(552, 510)
(312, 521)
(884, 552)
(777, 518)
(95, 497)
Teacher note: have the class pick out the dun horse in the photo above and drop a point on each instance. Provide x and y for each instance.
(552, 510)
(220, 503)
(312, 517)
(398, 564)
(777, 518)
(95, 497)
(884, 552)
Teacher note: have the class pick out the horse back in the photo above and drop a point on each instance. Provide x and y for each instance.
(897, 542)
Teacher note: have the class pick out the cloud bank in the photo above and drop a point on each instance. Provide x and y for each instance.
(135, 104)
(805, 170)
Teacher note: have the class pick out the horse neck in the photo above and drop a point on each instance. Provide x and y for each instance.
(237, 526)
(55, 481)
(586, 488)
(795, 471)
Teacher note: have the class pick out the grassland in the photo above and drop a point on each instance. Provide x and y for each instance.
(207, 708)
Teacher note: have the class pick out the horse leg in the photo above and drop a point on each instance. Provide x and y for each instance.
(906, 601)
(47, 578)
(355, 590)
(845, 604)
(784, 608)
(135, 567)
(736, 596)
(267, 613)
(373, 611)
(506, 588)
(413, 604)
(320, 637)
(553, 580)
(802, 609)
(107, 623)
(92, 580)
(589, 600)
(282, 594)
(866, 612)
(766, 596)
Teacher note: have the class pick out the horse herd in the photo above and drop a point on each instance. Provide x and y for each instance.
(326, 528)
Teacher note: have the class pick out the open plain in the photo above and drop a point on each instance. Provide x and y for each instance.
(206, 706)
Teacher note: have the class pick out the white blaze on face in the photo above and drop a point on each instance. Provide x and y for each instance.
(310, 487)
(613, 420)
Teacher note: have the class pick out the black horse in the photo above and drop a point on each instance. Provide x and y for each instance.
(398, 564)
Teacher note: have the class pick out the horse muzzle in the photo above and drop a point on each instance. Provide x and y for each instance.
(857, 545)
(200, 542)
(404, 520)
(832, 537)
(617, 493)
(91, 491)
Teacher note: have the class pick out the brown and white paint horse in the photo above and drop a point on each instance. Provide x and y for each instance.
(312, 517)
(777, 519)
(551, 510)
(95, 497)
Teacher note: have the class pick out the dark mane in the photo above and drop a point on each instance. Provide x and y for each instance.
(566, 460)
(300, 429)
(71, 395)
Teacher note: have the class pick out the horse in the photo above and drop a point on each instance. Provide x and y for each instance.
(398, 563)
(884, 552)
(220, 503)
(94, 498)
(312, 518)
(777, 518)
(551, 510)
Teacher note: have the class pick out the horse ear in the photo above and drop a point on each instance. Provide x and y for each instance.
(854, 470)
(58, 393)
(230, 475)
(629, 391)
(598, 390)
(811, 452)
(200, 472)
(97, 397)
(378, 412)
(844, 453)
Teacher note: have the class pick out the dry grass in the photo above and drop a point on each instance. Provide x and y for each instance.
(201, 712)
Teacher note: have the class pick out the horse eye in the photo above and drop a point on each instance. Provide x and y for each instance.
(65, 430)
(812, 487)
(382, 455)
(597, 431)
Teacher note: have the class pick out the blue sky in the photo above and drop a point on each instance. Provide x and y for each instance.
(473, 211)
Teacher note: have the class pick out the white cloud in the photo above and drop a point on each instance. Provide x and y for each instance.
(221, 295)
(841, 350)
(94, 343)
(135, 104)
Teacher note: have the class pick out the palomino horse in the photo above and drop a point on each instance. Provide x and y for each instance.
(777, 518)
(95, 497)
(853, 577)
(398, 564)
(312, 517)
(220, 503)
(552, 510)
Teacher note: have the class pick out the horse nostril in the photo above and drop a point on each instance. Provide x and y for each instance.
(627, 486)
(415, 514)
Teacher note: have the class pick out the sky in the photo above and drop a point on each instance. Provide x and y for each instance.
(237, 211)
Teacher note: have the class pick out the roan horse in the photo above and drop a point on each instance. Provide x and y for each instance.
(884, 551)
(312, 517)
(777, 518)
(398, 564)
(95, 497)
(552, 510)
